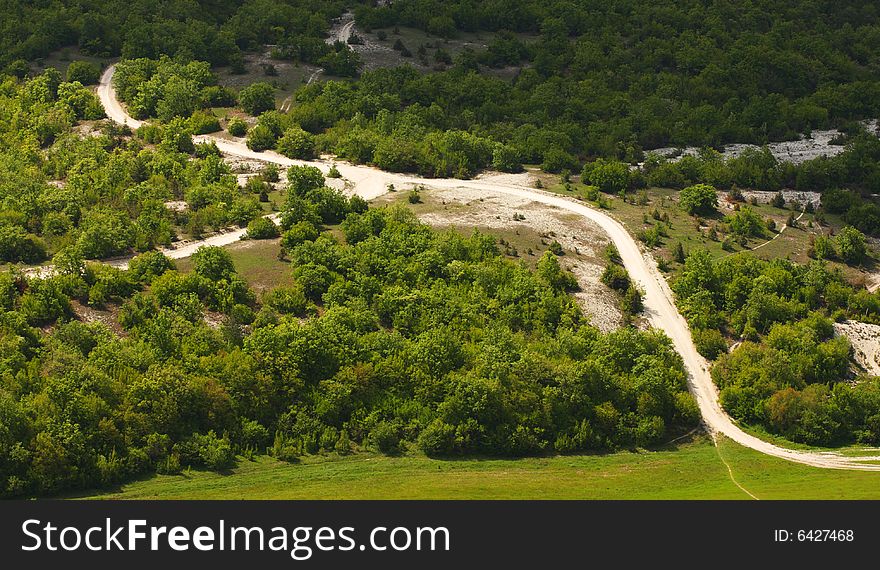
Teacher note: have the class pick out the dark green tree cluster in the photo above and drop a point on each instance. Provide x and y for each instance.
(849, 181)
(857, 168)
(274, 130)
(614, 78)
(208, 30)
(166, 89)
(398, 338)
(790, 373)
(595, 80)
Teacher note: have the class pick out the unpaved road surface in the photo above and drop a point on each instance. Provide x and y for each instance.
(659, 305)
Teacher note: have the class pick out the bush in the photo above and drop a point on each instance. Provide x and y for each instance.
(149, 265)
(610, 176)
(270, 172)
(385, 438)
(851, 245)
(85, 72)
(16, 245)
(631, 303)
(218, 96)
(615, 277)
(296, 143)
(747, 223)
(286, 300)
(257, 98)
(213, 262)
(207, 450)
(556, 160)
(506, 158)
(699, 199)
(299, 233)
(260, 138)
(438, 439)
(262, 228)
(236, 127)
(303, 179)
(709, 342)
(203, 122)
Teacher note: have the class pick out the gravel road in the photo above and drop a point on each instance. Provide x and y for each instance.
(659, 304)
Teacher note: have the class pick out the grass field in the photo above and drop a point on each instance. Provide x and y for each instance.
(691, 471)
(256, 261)
(792, 243)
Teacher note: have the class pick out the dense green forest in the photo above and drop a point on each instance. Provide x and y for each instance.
(393, 336)
(848, 182)
(105, 194)
(397, 337)
(790, 374)
(608, 79)
(615, 78)
(211, 30)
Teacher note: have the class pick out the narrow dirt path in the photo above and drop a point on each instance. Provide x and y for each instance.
(729, 470)
(782, 229)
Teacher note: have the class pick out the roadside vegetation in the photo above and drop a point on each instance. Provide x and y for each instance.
(107, 194)
(398, 338)
(789, 373)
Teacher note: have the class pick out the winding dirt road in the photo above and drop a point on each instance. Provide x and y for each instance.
(659, 304)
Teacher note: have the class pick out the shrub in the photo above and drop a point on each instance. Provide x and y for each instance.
(203, 122)
(286, 300)
(631, 303)
(296, 143)
(615, 277)
(260, 138)
(257, 98)
(699, 199)
(709, 342)
(747, 223)
(262, 228)
(270, 172)
(385, 438)
(851, 245)
(85, 72)
(299, 233)
(236, 127)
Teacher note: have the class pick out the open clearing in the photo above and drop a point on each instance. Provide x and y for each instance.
(792, 243)
(256, 261)
(527, 238)
(689, 471)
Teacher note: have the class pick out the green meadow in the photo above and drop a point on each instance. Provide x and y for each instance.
(693, 470)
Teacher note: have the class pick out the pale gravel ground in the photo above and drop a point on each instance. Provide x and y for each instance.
(790, 196)
(788, 151)
(582, 240)
(796, 152)
(865, 340)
